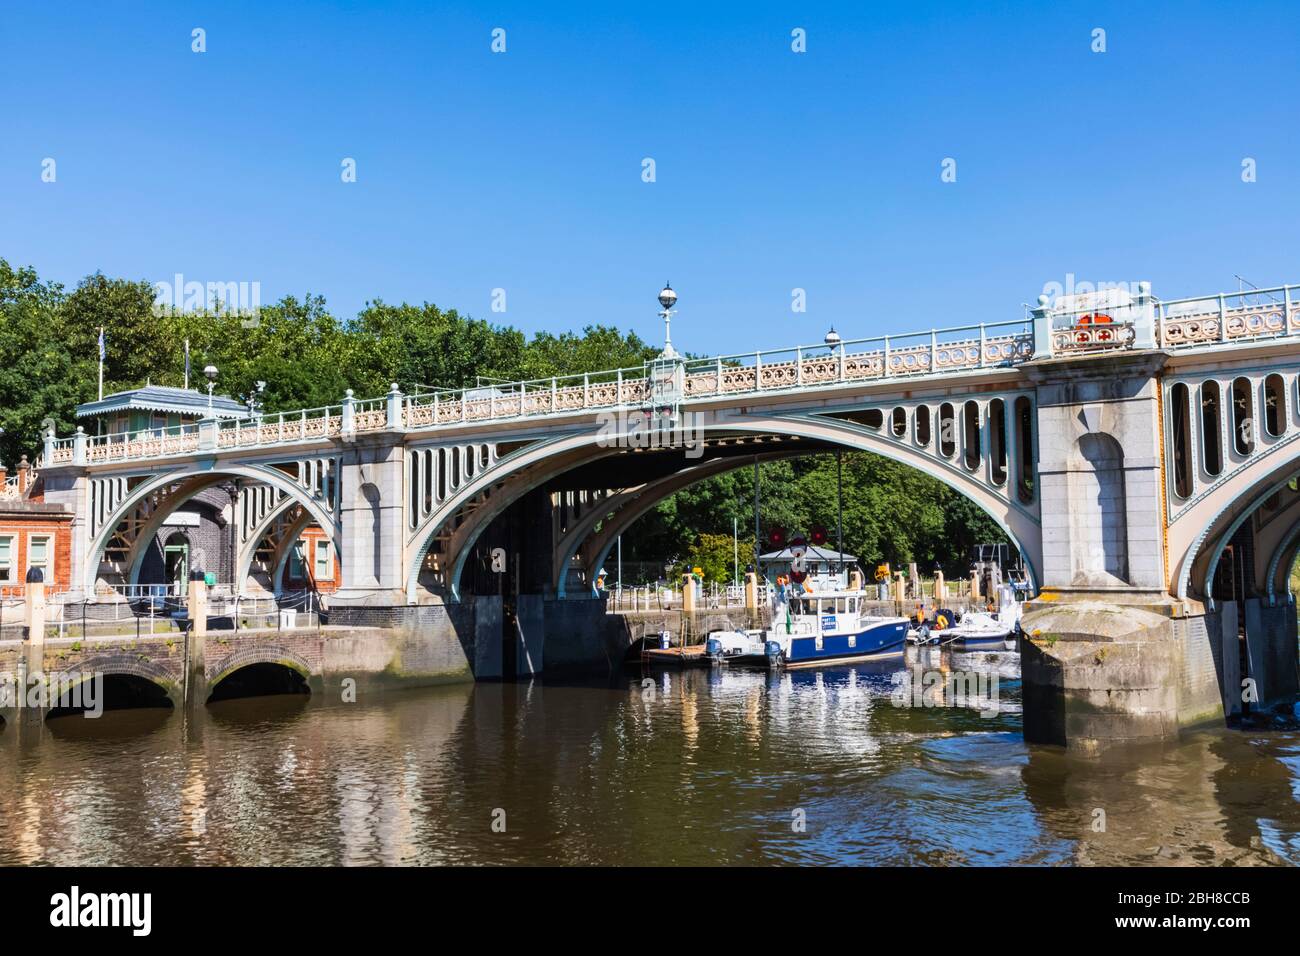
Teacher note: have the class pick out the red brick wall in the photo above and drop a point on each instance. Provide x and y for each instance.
(22, 528)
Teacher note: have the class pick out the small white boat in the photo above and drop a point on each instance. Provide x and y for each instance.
(810, 630)
(979, 630)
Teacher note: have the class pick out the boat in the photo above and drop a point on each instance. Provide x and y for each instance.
(977, 630)
(812, 629)
(924, 630)
(736, 646)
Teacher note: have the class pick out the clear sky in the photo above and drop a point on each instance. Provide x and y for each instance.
(774, 170)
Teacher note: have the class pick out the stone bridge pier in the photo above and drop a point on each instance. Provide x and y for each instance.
(1171, 516)
(1101, 656)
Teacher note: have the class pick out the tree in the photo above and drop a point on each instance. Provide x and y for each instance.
(714, 555)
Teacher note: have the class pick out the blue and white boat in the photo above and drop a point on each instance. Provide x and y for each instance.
(978, 630)
(809, 630)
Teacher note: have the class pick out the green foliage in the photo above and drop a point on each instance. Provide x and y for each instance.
(891, 513)
(714, 555)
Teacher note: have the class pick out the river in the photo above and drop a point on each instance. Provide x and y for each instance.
(675, 767)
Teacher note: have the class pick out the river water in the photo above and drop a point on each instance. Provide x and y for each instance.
(697, 766)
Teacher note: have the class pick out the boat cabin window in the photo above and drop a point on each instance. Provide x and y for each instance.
(853, 605)
(840, 605)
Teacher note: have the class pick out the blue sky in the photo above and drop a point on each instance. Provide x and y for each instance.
(774, 170)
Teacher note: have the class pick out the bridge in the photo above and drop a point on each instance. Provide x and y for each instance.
(1141, 453)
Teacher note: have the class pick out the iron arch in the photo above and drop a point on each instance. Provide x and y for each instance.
(1017, 521)
(195, 481)
(1281, 562)
(1217, 515)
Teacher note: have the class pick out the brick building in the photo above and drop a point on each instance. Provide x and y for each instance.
(33, 533)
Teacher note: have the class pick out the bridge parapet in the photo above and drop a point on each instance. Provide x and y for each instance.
(1113, 319)
(1101, 321)
(1230, 317)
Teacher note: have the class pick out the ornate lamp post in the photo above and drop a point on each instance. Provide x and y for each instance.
(254, 399)
(210, 373)
(667, 299)
(232, 489)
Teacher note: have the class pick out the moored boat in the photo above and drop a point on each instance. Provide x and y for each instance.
(810, 630)
(979, 631)
(982, 630)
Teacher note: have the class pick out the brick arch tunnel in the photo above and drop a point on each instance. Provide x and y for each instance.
(132, 680)
(117, 681)
(258, 671)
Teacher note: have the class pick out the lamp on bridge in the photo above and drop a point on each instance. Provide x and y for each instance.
(832, 339)
(667, 299)
(254, 399)
(210, 373)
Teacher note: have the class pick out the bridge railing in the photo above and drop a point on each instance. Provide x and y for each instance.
(121, 446)
(542, 396)
(270, 429)
(1229, 317)
(887, 356)
(939, 350)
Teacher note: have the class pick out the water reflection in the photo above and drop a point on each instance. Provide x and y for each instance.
(650, 768)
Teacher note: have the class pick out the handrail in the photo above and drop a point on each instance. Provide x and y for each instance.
(1274, 290)
(9, 489)
(1227, 317)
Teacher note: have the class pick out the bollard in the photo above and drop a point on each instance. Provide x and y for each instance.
(195, 692)
(688, 593)
(751, 592)
(940, 589)
(198, 605)
(900, 588)
(974, 586)
(34, 617)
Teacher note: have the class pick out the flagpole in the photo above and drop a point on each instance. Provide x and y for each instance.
(101, 363)
(187, 365)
